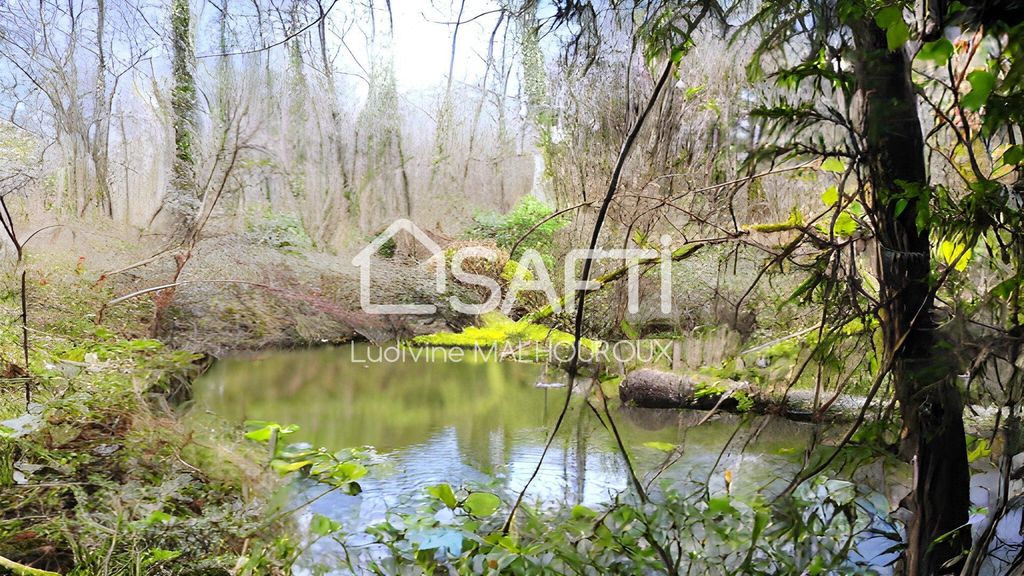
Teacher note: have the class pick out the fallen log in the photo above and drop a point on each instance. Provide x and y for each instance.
(647, 388)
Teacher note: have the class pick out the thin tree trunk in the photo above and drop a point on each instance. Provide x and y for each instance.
(335, 145)
(444, 133)
(181, 201)
(99, 148)
(474, 127)
(923, 374)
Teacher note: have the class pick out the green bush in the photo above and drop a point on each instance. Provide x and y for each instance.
(506, 229)
(278, 230)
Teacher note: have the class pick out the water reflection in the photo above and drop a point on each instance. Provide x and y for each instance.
(483, 423)
(475, 421)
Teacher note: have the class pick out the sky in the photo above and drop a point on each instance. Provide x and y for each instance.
(422, 43)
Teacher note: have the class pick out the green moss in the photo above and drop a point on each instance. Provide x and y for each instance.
(744, 401)
(508, 272)
(796, 219)
(711, 388)
(496, 329)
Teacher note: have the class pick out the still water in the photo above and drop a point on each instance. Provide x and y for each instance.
(482, 422)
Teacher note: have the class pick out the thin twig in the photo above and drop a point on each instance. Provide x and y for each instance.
(613, 184)
(314, 22)
(24, 338)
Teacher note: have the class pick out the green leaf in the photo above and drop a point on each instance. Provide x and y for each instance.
(721, 505)
(951, 253)
(981, 450)
(157, 555)
(901, 205)
(924, 217)
(939, 51)
(629, 330)
(581, 512)
(982, 84)
(261, 431)
(891, 20)
(677, 53)
(348, 471)
(444, 493)
(481, 503)
(284, 467)
(1005, 288)
(845, 225)
(322, 525)
(157, 517)
(1013, 156)
(662, 446)
(260, 435)
(761, 519)
(692, 93)
(833, 164)
(830, 196)
(888, 17)
(897, 35)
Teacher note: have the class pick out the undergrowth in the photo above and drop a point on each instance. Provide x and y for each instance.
(99, 475)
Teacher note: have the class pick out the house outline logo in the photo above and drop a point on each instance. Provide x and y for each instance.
(364, 259)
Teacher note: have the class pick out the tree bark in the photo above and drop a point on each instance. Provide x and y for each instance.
(923, 375)
(101, 119)
(181, 201)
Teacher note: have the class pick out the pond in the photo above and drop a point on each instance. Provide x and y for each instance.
(483, 422)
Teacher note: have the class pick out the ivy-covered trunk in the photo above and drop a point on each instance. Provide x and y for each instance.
(922, 373)
(101, 116)
(181, 200)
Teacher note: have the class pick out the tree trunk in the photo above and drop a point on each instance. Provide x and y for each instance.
(537, 99)
(100, 144)
(181, 201)
(336, 194)
(923, 374)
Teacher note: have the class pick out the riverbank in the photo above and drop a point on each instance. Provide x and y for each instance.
(99, 475)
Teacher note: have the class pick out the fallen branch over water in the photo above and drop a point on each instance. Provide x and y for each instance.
(649, 388)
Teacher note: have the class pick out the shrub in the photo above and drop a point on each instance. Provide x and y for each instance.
(506, 229)
(278, 230)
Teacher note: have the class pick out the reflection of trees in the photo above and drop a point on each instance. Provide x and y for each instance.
(446, 421)
(338, 402)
